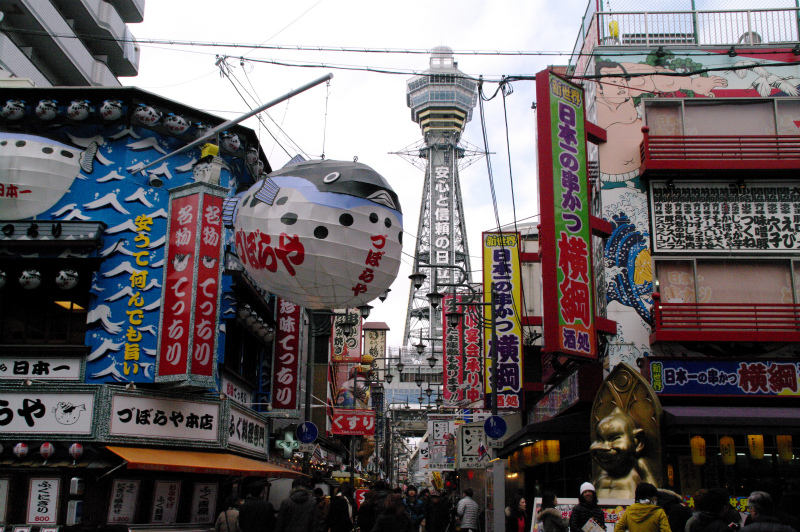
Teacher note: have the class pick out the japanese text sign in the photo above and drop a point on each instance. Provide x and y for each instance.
(353, 422)
(192, 272)
(151, 417)
(346, 348)
(285, 366)
(124, 494)
(247, 431)
(204, 502)
(441, 443)
(43, 500)
(442, 228)
(565, 234)
(764, 378)
(40, 368)
(46, 412)
(165, 502)
(503, 284)
(463, 357)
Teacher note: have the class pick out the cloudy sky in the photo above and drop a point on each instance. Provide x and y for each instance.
(367, 115)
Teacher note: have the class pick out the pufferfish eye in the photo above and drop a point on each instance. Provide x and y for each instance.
(383, 198)
(330, 178)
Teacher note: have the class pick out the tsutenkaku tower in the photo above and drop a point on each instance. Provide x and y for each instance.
(441, 102)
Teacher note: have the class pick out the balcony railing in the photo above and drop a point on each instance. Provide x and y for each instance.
(706, 152)
(693, 28)
(725, 322)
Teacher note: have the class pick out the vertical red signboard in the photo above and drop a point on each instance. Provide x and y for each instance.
(287, 352)
(453, 365)
(190, 302)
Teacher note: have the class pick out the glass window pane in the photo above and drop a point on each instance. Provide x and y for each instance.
(676, 281)
(729, 118)
(788, 115)
(722, 281)
(664, 118)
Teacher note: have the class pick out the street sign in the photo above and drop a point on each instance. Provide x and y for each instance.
(495, 427)
(307, 432)
(307, 447)
(493, 444)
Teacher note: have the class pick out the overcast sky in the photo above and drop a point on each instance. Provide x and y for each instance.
(367, 115)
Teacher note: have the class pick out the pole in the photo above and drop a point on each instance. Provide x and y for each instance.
(309, 378)
(230, 123)
(353, 438)
(494, 351)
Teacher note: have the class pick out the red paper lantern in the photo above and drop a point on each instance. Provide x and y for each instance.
(76, 450)
(46, 450)
(21, 450)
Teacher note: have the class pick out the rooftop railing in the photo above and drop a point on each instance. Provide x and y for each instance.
(684, 28)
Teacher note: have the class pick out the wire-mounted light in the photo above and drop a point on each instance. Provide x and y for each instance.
(454, 318)
(365, 309)
(418, 380)
(435, 299)
(384, 295)
(432, 360)
(388, 378)
(420, 347)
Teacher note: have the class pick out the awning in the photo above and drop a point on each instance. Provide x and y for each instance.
(197, 462)
(556, 428)
(731, 420)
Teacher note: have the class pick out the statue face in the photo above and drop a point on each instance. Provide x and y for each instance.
(617, 444)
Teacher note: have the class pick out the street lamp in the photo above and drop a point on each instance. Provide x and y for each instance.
(432, 360)
(435, 299)
(428, 391)
(420, 347)
(384, 295)
(439, 401)
(453, 318)
(417, 278)
(418, 380)
(364, 309)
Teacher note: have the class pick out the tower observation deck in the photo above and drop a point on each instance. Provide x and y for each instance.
(441, 100)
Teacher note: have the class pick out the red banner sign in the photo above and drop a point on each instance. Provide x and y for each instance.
(176, 312)
(453, 364)
(207, 299)
(353, 422)
(287, 351)
(463, 363)
(473, 355)
(187, 351)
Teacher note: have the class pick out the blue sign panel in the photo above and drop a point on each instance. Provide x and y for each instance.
(495, 427)
(307, 432)
(764, 378)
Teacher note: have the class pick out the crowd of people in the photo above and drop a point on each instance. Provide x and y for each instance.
(393, 510)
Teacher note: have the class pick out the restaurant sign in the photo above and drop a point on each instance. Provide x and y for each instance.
(693, 377)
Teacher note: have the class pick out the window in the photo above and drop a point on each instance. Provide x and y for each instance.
(722, 116)
(47, 314)
(727, 281)
(246, 355)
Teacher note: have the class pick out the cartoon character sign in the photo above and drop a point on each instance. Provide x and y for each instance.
(321, 234)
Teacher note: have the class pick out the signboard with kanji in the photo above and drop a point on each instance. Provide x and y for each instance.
(346, 348)
(353, 422)
(501, 274)
(565, 233)
(285, 369)
(693, 377)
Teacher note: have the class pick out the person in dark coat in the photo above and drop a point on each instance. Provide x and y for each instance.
(711, 512)
(677, 512)
(383, 491)
(298, 512)
(587, 508)
(517, 515)
(437, 513)
(343, 510)
(257, 513)
(368, 511)
(393, 516)
(761, 509)
(414, 506)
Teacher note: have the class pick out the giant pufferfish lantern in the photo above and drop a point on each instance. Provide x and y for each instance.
(321, 234)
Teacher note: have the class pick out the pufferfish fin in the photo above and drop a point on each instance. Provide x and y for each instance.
(229, 208)
(267, 192)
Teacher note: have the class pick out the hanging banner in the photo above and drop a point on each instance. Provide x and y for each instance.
(353, 422)
(565, 234)
(501, 271)
(453, 362)
(441, 443)
(187, 350)
(285, 367)
(375, 346)
(346, 348)
(204, 507)
(742, 378)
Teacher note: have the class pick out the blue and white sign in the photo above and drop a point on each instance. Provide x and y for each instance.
(307, 432)
(495, 427)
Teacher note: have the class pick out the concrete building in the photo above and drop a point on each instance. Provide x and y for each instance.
(69, 42)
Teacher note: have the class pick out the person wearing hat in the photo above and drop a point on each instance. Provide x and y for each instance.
(644, 515)
(587, 508)
(437, 513)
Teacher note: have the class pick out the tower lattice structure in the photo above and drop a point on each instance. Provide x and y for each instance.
(441, 100)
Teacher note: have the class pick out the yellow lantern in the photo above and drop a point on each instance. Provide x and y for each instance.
(367, 359)
(527, 456)
(785, 450)
(670, 475)
(552, 450)
(698, 445)
(756, 444)
(727, 450)
(538, 452)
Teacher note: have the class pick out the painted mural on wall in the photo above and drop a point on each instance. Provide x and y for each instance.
(618, 107)
(99, 148)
